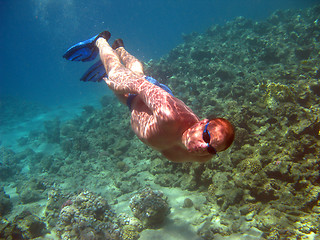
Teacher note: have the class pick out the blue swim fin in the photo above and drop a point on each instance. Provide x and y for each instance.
(95, 73)
(86, 50)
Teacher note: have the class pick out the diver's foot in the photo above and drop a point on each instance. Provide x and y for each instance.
(86, 50)
(117, 43)
(105, 34)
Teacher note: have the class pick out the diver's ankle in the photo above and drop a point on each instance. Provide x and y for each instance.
(101, 42)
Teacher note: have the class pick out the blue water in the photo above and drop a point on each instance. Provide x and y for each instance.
(40, 91)
(35, 34)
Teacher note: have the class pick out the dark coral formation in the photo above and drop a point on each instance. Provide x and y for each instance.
(150, 206)
(31, 191)
(5, 203)
(9, 164)
(24, 226)
(87, 216)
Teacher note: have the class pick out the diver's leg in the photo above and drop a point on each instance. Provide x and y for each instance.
(130, 61)
(108, 57)
(127, 59)
(120, 79)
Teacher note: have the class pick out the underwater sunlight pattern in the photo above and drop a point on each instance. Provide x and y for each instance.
(72, 168)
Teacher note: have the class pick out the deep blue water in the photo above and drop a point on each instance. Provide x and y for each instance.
(35, 34)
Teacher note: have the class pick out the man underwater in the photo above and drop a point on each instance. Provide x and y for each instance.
(159, 119)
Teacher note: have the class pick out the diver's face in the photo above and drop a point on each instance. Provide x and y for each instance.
(221, 133)
(194, 141)
(208, 138)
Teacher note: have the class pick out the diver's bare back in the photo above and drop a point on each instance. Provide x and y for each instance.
(159, 120)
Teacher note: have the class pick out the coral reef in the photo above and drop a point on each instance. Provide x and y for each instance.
(31, 191)
(56, 201)
(24, 226)
(87, 216)
(264, 77)
(149, 206)
(8, 164)
(5, 203)
(131, 227)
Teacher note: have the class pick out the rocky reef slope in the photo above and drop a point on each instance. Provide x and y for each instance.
(264, 77)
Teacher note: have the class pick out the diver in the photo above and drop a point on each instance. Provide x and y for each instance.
(159, 119)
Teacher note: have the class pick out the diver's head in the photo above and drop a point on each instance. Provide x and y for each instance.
(221, 133)
(208, 137)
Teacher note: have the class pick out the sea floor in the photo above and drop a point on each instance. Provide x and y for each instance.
(182, 223)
